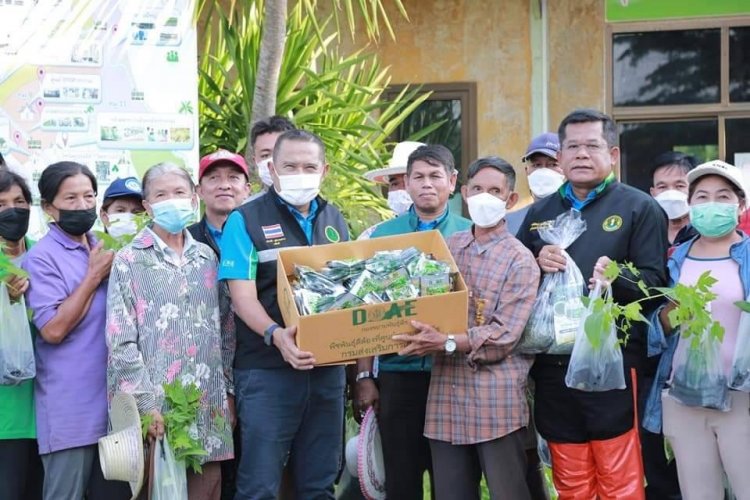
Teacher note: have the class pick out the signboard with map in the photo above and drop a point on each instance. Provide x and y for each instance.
(108, 83)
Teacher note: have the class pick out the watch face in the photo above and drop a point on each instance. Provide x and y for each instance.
(450, 346)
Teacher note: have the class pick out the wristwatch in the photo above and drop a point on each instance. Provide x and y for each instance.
(450, 345)
(268, 334)
(363, 375)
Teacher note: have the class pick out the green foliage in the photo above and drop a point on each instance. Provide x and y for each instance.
(7, 267)
(117, 243)
(690, 311)
(182, 403)
(689, 302)
(339, 96)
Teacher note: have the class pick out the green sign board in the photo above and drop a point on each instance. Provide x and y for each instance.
(651, 10)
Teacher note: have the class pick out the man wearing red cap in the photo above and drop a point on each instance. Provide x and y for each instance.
(223, 186)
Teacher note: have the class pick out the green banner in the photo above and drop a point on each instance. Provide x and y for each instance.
(651, 10)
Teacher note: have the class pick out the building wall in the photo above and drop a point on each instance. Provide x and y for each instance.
(488, 41)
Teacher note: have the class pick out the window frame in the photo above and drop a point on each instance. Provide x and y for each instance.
(466, 93)
(722, 110)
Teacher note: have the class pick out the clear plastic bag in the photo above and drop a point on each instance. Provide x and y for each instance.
(698, 377)
(16, 344)
(558, 308)
(740, 378)
(170, 476)
(596, 363)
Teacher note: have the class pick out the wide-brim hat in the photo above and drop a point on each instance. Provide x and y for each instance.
(717, 167)
(121, 451)
(351, 456)
(397, 163)
(370, 464)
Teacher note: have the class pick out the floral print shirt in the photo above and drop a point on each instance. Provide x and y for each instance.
(164, 322)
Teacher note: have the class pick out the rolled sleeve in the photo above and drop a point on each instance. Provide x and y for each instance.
(126, 369)
(493, 342)
(239, 258)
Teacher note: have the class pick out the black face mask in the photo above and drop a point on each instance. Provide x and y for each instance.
(77, 222)
(14, 223)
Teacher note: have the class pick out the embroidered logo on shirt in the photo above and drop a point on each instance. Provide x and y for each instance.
(332, 235)
(612, 223)
(272, 232)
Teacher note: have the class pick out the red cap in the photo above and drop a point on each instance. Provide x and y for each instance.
(222, 155)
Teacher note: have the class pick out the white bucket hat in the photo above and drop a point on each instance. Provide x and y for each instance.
(121, 451)
(397, 163)
(371, 468)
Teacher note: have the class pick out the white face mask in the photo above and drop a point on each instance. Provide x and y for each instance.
(264, 173)
(674, 202)
(121, 224)
(545, 181)
(399, 201)
(300, 189)
(486, 210)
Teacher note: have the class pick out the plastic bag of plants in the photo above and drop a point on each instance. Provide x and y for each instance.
(16, 346)
(384, 262)
(596, 363)
(342, 270)
(557, 311)
(316, 282)
(366, 283)
(435, 284)
(740, 377)
(345, 301)
(698, 378)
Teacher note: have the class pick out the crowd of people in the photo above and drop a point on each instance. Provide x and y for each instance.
(197, 303)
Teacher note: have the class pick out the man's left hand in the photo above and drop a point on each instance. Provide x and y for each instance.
(599, 268)
(232, 411)
(427, 340)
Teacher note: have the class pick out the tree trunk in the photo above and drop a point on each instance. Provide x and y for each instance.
(272, 43)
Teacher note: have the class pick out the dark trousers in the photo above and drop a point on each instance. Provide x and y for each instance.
(406, 452)
(661, 476)
(289, 415)
(21, 472)
(565, 415)
(459, 468)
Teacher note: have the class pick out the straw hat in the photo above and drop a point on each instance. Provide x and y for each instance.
(397, 163)
(121, 451)
(371, 468)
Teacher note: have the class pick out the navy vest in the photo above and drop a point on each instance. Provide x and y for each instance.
(272, 226)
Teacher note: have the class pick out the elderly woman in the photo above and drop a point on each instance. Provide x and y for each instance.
(68, 272)
(163, 321)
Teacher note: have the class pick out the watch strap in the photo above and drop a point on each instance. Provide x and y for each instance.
(268, 333)
(363, 375)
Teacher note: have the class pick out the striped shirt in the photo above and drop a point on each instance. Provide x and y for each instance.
(163, 324)
(481, 395)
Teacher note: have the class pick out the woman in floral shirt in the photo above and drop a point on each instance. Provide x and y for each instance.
(163, 321)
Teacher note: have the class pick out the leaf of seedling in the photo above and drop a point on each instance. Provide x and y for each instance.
(743, 305)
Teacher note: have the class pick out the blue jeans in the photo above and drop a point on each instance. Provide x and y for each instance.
(292, 415)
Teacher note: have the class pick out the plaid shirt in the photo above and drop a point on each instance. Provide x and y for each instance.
(481, 395)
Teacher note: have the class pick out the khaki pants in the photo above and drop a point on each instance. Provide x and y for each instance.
(707, 443)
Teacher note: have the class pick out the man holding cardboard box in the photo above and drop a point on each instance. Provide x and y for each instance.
(404, 380)
(476, 409)
(287, 409)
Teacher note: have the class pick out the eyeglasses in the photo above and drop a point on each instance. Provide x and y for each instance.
(590, 147)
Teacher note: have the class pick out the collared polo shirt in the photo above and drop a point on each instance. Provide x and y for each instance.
(71, 378)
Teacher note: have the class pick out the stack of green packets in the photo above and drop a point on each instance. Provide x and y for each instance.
(386, 276)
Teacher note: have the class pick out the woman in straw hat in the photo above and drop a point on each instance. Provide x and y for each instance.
(163, 322)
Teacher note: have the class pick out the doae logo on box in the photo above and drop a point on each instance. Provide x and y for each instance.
(395, 310)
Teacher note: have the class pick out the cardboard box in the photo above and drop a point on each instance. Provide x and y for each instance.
(341, 336)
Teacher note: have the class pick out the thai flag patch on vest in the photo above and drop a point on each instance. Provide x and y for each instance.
(273, 232)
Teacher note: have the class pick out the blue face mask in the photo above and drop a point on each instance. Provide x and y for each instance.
(173, 215)
(714, 219)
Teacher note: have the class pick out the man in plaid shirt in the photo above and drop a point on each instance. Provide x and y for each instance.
(476, 408)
